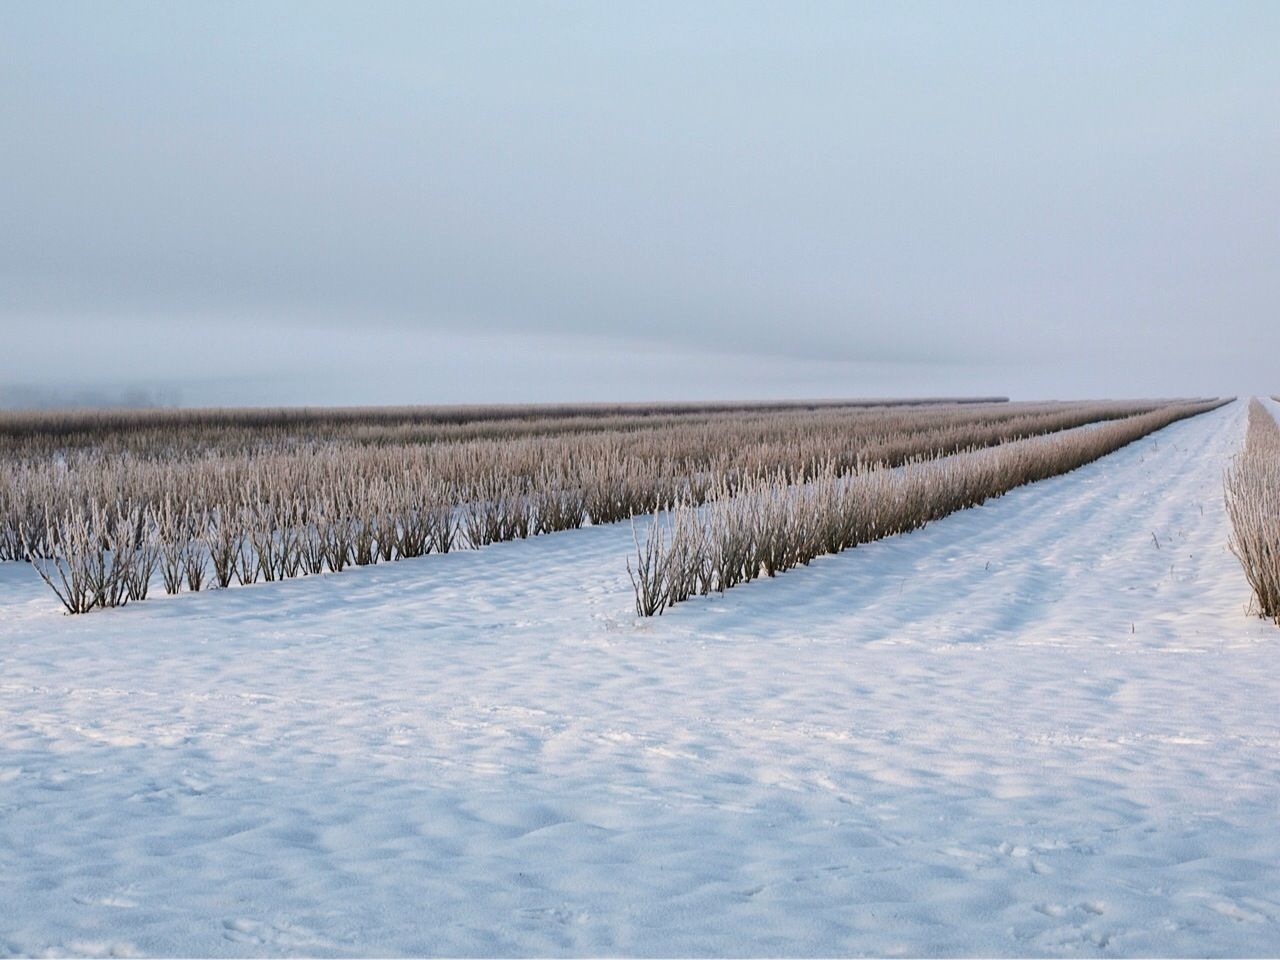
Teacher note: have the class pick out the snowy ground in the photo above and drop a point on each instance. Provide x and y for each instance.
(1026, 729)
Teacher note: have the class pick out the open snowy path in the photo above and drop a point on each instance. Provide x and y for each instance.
(1043, 726)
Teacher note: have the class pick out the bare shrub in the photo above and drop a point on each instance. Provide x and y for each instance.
(1252, 493)
(92, 558)
(195, 562)
(649, 577)
(337, 538)
(172, 530)
(223, 538)
(144, 553)
(70, 540)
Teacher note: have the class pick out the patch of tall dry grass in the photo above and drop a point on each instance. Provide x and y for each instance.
(1252, 492)
(772, 525)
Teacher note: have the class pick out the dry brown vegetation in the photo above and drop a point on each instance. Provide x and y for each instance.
(163, 432)
(770, 524)
(1252, 490)
(202, 502)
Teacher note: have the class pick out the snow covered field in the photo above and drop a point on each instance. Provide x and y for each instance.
(1043, 726)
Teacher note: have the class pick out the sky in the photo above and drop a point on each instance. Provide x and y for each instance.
(322, 203)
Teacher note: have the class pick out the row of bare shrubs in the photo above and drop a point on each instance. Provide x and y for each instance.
(1252, 491)
(98, 527)
(164, 432)
(105, 557)
(772, 525)
(152, 439)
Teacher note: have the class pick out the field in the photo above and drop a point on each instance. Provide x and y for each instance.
(98, 502)
(1007, 693)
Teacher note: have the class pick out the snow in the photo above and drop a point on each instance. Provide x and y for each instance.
(1043, 726)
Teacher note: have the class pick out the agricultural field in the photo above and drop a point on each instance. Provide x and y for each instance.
(852, 677)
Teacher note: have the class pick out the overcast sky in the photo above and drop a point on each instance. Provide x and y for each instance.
(375, 202)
